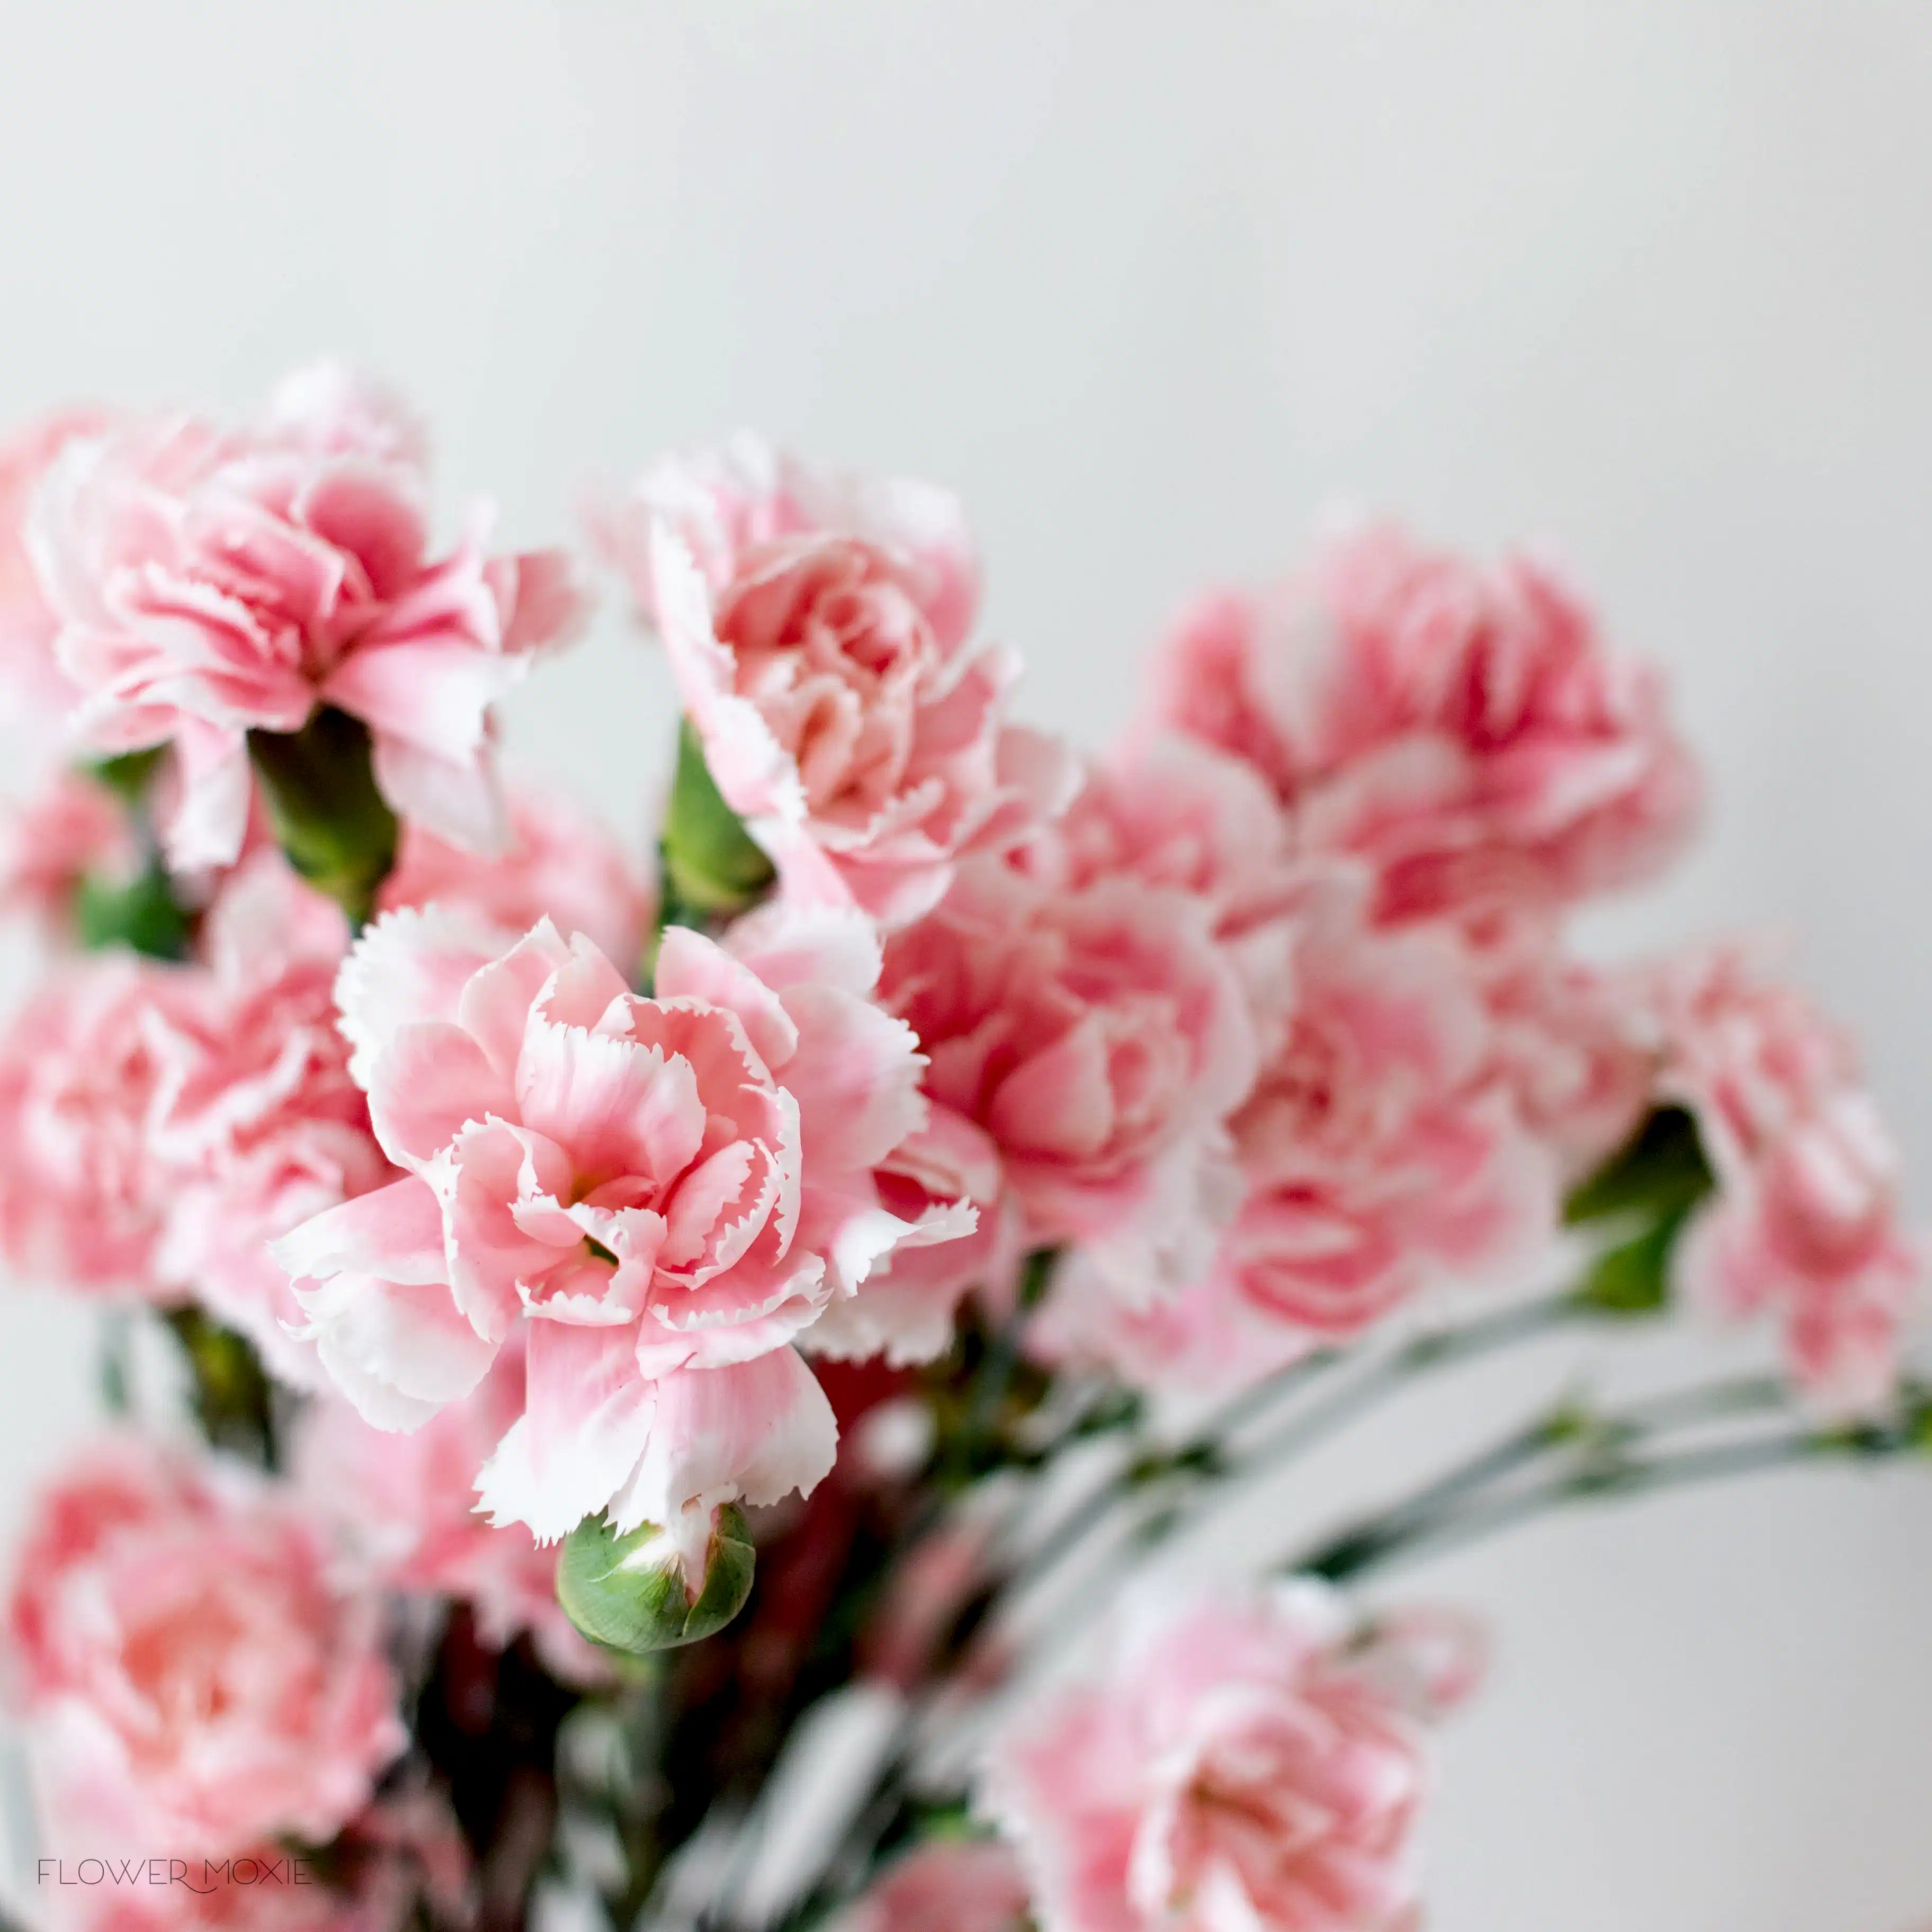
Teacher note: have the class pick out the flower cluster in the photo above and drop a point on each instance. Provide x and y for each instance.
(982, 1098)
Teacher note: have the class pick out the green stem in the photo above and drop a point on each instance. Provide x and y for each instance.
(1457, 1528)
(1422, 1355)
(1604, 1458)
(1201, 1459)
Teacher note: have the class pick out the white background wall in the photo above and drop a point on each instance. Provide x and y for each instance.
(1149, 284)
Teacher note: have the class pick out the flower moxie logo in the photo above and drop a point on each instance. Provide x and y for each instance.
(200, 1875)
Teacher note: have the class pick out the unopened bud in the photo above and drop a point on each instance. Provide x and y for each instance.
(645, 1590)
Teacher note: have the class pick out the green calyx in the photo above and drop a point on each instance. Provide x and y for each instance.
(334, 827)
(628, 1593)
(1646, 1193)
(713, 867)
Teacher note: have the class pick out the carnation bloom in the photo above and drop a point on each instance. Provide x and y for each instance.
(1182, 815)
(1381, 1151)
(948, 1885)
(1099, 1037)
(255, 1125)
(818, 631)
(557, 863)
(191, 1682)
(162, 1123)
(30, 679)
(1571, 1040)
(1806, 1220)
(662, 1193)
(1244, 1760)
(405, 1508)
(210, 582)
(1465, 728)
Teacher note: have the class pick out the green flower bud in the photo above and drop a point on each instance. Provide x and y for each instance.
(634, 1592)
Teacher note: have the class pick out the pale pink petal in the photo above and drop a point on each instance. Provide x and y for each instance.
(752, 1433)
(431, 1081)
(409, 965)
(395, 1232)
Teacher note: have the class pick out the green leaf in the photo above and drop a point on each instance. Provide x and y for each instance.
(1661, 1170)
(141, 913)
(319, 784)
(713, 867)
(628, 1592)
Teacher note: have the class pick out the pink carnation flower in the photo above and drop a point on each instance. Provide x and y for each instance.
(1381, 1151)
(1181, 814)
(1806, 1221)
(1100, 1037)
(557, 863)
(161, 1124)
(663, 1193)
(1464, 728)
(405, 1507)
(211, 582)
(1571, 1040)
(818, 632)
(960, 1885)
(30, 679)
(1244, 1761)
(191, 1682)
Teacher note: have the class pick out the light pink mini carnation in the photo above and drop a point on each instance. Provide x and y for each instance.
(161, 1124)
(36, 690)
(1463, 727)
(818, 631)
(1100, 1037)
(1806, 1220)
(1181, 814)
(558, 863)
(405, 1508)
(958, 1886)
(1381, 1151)
(1241, 1761)
(1571, 1040)
(191, 1682)
(209, 582)
(72, 828)
(663, 1193)
(255, 1124)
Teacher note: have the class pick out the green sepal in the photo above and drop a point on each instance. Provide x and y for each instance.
(628, 1592)
(1646, 1192)
(1661, 1169)
(713, 867)
(1633, 1276)
(334, 827)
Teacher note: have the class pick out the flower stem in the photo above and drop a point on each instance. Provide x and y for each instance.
(1599, 1455)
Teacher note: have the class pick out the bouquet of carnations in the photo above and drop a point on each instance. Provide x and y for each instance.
(699, 1396)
